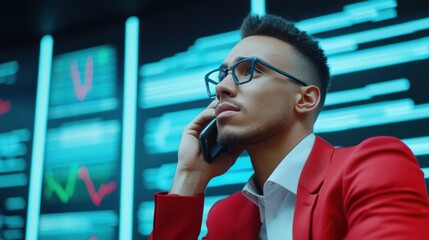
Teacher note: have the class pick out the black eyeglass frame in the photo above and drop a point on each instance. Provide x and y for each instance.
(254, 61)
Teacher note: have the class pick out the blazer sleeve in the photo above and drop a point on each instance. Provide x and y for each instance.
(177, 217)
(384, 192)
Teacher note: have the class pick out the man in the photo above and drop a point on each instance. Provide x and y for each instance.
(269, 91)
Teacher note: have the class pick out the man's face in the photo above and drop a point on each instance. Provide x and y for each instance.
(262, 108)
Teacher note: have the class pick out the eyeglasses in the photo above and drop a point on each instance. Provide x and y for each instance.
(242, 72)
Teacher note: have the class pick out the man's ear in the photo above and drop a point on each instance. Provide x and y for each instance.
(307, 99)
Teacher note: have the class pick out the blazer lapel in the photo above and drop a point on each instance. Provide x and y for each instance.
(310, 181)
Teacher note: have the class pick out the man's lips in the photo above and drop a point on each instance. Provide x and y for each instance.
(225, 107)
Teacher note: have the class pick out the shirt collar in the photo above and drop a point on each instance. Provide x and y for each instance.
(287, 172)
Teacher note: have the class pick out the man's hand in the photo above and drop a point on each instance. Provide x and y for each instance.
(193, 173)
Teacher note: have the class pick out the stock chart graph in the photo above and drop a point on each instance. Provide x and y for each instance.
(85, 82)
(69, 190)
(82, 150)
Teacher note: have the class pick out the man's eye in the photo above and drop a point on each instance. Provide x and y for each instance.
(257, 72)
(244, 70)
(247, 71)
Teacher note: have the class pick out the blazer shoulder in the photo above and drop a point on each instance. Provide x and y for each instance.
(378, 162)
(381, 181)
(383, 140)
(385, 159)
(379, 144)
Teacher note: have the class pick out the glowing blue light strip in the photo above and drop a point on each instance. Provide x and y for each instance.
(13, 180)
(380, 56)
(185, 61)
(257, 7)
(216, 41)
(9, 69)
(350, 42)
(40, 123)
(81, 108)
(231, 178)
(352, 14)
(80, 143)
(370, 115)
(74, 225)
(173, 89)
(368, 11)
(163, 134)
(160, 178)
(419, 146)
(129, 129)
(367, 92)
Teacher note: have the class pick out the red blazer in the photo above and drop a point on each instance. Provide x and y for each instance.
(374, 190)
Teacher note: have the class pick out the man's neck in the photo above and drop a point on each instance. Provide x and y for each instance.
(267, 155)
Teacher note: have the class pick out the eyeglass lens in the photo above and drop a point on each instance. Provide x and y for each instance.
(242, 72)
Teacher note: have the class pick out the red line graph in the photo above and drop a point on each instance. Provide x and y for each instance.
(82, 89)
(104, 189)
(5, 106)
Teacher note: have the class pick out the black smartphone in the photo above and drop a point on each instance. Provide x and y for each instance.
(209, 146)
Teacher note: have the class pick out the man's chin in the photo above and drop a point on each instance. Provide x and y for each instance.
(230, 139)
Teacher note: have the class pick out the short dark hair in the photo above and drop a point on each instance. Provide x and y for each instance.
(285, 30)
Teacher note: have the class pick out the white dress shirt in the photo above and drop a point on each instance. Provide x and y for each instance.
(277, 204)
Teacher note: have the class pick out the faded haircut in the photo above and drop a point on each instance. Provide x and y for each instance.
(305, 45)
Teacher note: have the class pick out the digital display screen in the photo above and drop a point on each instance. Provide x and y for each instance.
(82, 158)
(18, 82)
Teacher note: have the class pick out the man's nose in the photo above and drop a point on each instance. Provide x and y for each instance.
(226, 88)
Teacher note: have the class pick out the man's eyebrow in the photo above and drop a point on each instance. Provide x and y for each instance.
(237, 59)
(223, 65)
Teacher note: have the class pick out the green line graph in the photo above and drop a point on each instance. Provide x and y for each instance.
(72, 175)
(64, 194)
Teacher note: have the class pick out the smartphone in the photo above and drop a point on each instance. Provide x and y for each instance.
(209, 145)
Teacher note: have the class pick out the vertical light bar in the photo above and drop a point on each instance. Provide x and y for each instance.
(40, 123)
(129, 128)
(257, 7)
